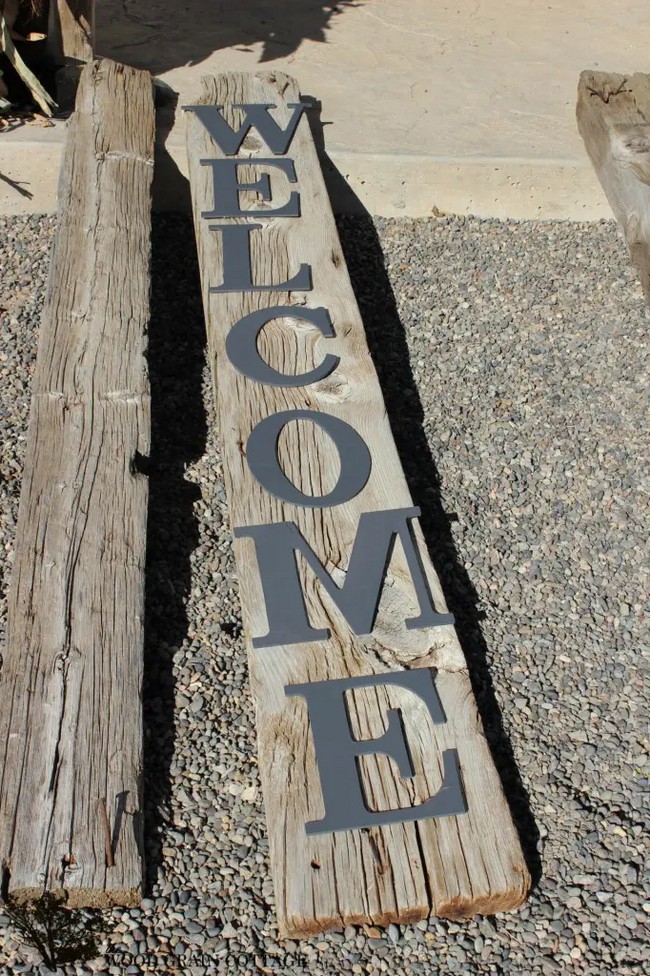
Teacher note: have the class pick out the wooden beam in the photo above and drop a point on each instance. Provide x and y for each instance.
(70, 686)
(451, 865)
(613, 113)
(72, 30)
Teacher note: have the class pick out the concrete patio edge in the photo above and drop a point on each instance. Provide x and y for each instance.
(388, 185)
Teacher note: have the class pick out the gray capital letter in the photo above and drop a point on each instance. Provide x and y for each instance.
(262, 457)
(227, 187)
(237, 263)
(229, 141)
(241, 345)
(337, 753)
(277, 546)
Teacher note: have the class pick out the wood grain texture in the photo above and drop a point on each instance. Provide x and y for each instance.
(613, 113)
(453, 866)
(72, 30)
(70, 685)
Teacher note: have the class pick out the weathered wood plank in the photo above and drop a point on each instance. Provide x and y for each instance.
(450, 866)
(613, 113)
(72, 30)
(70, 685)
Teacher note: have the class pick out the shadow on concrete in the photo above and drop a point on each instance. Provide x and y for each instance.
(162, 34)
(176, 356)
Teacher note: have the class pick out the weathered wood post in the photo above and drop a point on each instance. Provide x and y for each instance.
(71, 679)
(72, 30)
(613, 113)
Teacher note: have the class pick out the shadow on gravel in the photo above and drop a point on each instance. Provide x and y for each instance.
(390, 354)
(176, 358)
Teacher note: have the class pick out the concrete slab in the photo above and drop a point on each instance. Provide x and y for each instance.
(463, 108)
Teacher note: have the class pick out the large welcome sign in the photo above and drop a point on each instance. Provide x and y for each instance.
(381, 797)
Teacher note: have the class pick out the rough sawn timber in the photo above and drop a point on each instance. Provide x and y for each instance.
(71, 680)
(452, 866)
(613, 113)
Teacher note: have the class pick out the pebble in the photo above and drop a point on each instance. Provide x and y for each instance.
(514, 363)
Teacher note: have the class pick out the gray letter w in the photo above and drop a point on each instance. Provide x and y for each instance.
(229, 141)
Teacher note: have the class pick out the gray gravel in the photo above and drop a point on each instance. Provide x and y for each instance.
(522, 422)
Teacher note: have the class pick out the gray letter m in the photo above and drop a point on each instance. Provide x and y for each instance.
(277, 547)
